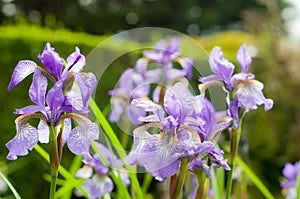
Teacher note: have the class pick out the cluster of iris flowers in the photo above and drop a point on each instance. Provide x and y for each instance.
(177, 130)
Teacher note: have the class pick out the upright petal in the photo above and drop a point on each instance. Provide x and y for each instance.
(75, 62)
(81, 137)
(51, 61)
(244, 58)
(149, 106)
(25, 139)
(38, 88)
(55, 99)
(22, 70)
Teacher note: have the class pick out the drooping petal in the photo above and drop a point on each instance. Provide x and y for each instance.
(249, 95)
(98, 186)
(81, 137)
(157, 154)
(51, 61)
(25, 139)
(67, 130)
(38, 88)
(244, 58)
(43, 131)
(22, 70)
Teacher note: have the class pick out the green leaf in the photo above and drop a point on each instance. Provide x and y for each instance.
(256, 181)
(118, 146)
(68, 176)
(17, 196)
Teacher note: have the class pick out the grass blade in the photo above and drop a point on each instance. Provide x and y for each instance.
(14, 191)
(256, 181)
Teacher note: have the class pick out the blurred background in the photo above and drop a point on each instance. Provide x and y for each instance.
(271, 27)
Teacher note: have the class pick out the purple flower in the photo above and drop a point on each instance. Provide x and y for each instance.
(135, 83)
(96, 172)
(161, 153)
(221, 67)
(246, 91)
(70, 93)
(290, 172)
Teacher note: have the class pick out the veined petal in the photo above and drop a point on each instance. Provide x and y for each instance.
(22, 70)
(75, 62)
(81, 137)
(38, 88)
(51, 60)
(244, 58)
(158, 154)
(77, 92)
(43, 131)
(25, 139)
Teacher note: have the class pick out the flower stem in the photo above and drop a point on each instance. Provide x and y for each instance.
(202, 185)
(54, 160)
(234, 145)
(180, 179)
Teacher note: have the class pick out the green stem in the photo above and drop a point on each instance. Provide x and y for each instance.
(234, 145)
(180, 179)
(202, 185)
(54, 160)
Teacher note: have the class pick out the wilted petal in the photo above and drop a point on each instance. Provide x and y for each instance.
(98, 186)
(25, 139)
(43, 131)
(22, 70)
(38, 88)
(51, 60)
(81, 137)
(244, 58)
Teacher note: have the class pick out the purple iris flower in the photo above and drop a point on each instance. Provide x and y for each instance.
(290, 172)
(70, 93)
(247, 91)
(96, 172)
(161, 153)
(135, 83)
